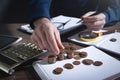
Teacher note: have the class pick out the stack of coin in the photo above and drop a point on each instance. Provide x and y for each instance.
(61, 55)
(70, 54)
(51, 59)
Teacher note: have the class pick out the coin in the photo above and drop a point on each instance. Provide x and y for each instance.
(113, 40)
(97, 63)
(83, 54)
(58, 70)
(77, 57)
(76, 62)
(87, 61)
(51, 59)
(68, 66)
(70, 54)
(61, 56)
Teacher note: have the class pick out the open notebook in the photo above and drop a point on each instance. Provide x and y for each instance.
(63, 24)
(110, 67)
(103, 42)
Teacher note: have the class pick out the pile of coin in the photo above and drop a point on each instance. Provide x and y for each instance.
(69, 53)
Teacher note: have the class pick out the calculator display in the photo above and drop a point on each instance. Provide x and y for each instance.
(6, 41)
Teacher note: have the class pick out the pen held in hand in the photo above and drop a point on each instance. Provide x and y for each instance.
(81, 20)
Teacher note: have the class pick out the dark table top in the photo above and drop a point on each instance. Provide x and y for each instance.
(26, 71)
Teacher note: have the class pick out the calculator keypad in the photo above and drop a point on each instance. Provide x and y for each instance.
(22, 52)
(14, 56)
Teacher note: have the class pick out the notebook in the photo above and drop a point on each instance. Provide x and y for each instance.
(110, 67)
(103, 42)
(63, 24)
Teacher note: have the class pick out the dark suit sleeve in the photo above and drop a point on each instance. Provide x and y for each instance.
(113, 12)
(39, 8)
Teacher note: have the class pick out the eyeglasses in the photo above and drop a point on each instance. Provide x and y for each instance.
(60, 25)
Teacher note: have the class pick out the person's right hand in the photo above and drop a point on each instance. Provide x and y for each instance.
(46, 36)
(94, 22)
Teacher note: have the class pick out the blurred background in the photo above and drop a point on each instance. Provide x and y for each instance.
(13, 11)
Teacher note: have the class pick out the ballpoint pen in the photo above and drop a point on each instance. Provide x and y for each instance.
(81, 20)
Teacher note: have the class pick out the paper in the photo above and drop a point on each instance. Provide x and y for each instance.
(109, 45)
(103, 42)
(109, 68)
(73, 21)
(61, 22)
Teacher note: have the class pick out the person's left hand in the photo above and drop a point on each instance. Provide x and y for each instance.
(95, 22)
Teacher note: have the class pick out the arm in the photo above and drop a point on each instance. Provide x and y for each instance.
(45, 35)
(39, 8)
(109, 12)
(113, 12)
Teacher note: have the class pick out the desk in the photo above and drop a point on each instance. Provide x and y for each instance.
(26, 72)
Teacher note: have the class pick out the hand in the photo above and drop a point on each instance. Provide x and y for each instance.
(95, 22)
(46, 36)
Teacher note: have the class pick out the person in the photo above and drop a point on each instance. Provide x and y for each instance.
(46, 35)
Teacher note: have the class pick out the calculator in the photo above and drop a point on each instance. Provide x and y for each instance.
(12, 57)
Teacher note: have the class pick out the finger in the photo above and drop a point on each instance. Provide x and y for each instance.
(92, 18)
(58, 40)
(38, 40)
(95, 25)
(88, 14)
(100, 23)
(34, 39)
(52, 42)
(97, 17)
(43, 40)
(92, 27)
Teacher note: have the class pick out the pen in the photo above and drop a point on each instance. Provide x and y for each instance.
(81, 20)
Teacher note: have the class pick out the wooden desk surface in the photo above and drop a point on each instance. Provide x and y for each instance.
(26, 72)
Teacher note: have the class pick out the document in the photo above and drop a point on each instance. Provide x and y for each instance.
(104, 42)
(110, 67)
(63, 23)
(66, 22)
